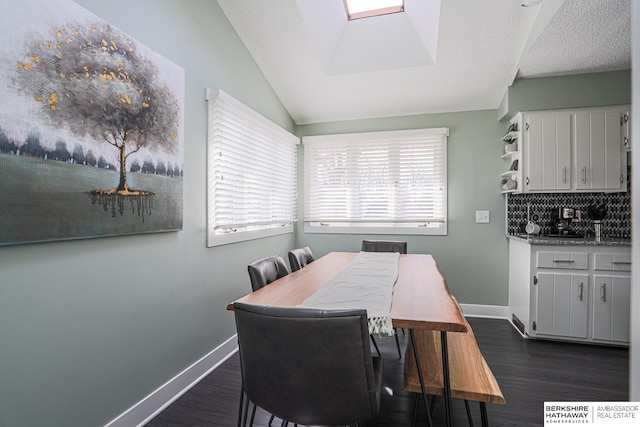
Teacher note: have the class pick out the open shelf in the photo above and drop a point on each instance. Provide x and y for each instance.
(511, 135)
(514, 135)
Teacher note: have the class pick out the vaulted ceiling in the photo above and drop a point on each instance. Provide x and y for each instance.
(437, 56)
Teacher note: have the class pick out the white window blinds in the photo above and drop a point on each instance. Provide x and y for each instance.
(392, 179)
(251, 173)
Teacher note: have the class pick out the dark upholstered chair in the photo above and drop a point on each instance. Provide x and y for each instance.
(309, 366)
(261, 273)
(386, 246)
(383, 246)
(266, 270)
(300, 257)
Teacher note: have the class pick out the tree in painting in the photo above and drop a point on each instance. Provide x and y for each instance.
(93, 81)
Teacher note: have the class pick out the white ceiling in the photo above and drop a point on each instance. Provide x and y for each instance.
(324, 68)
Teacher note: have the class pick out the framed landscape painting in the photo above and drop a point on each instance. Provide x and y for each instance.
(91, 128)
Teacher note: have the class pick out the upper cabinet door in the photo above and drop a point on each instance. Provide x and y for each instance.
(575, 150)
(548, 152)
(598, 151)
(563, 151)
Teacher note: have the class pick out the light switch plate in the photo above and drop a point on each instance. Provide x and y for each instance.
(483, 217)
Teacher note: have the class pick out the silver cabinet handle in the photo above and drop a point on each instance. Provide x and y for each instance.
(621, 262)
(564, 175)
(580, 291)
(584, 174)
(603, 292)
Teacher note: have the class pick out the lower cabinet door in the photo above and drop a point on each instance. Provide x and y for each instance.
(562, 305)
(611, 308)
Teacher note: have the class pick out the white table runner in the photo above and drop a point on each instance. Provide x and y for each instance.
(366, 283)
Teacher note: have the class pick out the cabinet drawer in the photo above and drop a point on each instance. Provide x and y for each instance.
(570, 260)
(612, 262)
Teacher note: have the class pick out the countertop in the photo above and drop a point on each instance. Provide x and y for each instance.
(569, 241)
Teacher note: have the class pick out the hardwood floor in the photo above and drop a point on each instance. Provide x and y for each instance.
(529, 372)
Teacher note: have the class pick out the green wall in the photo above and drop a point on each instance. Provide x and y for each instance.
(580, 90)
(472, 257)
(89, 328)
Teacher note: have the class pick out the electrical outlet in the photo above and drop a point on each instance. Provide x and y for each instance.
(483, 217)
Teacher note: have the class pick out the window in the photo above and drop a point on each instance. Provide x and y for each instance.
(376, 183)
(357, 9)
(251, 173)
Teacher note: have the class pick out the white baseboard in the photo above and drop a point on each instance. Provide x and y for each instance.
(144, 411)
(518, 330)
(490, 311)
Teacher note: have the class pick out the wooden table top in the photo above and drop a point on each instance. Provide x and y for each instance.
(421, 298)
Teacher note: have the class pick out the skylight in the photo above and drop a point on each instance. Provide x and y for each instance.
(357, 9)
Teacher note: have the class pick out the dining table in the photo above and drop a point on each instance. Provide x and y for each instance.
(421, 301)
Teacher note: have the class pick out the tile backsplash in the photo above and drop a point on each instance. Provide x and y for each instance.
(617, 223)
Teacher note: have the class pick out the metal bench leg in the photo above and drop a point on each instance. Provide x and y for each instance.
(466, 405)
(432, 404)
(445, 377)
(483, 414)
(398, 344)
(412, 337)
(415, 409)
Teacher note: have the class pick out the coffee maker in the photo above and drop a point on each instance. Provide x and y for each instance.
(563, 223)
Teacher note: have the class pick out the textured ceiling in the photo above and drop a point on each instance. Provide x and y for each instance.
(585, 36)
(481, 47)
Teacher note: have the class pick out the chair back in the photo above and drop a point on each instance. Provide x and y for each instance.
(308, 366)
(300, 257)
(383, 246)
(266, 270)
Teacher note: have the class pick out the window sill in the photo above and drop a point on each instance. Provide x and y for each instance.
(242, 236)
(435, 230)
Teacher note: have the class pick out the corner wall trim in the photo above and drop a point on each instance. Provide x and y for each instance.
(490, 311)
(146, 409)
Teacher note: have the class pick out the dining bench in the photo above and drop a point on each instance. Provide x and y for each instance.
(471, 378)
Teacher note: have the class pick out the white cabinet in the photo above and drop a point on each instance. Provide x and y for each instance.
(547, 141)
(599, 152)
(575, 150)
(562, 304)
(611, 307)
(576, 293)
(563, 259)
(612, 261)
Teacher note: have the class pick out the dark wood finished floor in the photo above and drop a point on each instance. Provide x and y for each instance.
(529, 372)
